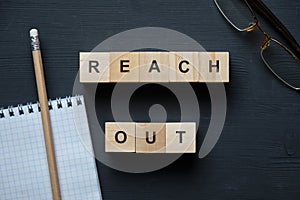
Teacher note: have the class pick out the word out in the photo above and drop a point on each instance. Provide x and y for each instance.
(150, 137)
(154, 67)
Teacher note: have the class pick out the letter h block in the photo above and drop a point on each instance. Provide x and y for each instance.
(214, 67)
(120, 137)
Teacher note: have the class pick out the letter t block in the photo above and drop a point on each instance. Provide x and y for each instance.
(119, 137)
(180, 137)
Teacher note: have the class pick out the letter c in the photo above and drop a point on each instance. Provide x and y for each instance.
(180, 66)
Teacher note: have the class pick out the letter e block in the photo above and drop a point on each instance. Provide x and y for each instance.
(214, 66)
(94, 67)
(150, 137)
(180, 137)
(119, 137)
(124, 67)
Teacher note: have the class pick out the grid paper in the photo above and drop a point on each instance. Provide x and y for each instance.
(23, 163)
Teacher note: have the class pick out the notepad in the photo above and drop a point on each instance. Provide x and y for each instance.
(24, 170)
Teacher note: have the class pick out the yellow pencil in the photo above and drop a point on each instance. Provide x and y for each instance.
(43, 99)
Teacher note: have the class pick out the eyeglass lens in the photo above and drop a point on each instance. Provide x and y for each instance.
(236, 12)
(282, 63)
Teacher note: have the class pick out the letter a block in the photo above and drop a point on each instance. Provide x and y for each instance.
(119, 137)
(154, 67)
(180, 137)
(150, 138)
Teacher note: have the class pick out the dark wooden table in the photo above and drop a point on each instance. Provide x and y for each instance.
(253, 158)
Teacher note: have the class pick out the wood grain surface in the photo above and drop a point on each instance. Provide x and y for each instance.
(258, 154)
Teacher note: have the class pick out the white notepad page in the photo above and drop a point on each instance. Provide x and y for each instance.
(23, 163)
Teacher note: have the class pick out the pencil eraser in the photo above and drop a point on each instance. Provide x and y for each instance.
(33, 32)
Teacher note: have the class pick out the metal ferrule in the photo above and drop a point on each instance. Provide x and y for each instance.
(35, 43)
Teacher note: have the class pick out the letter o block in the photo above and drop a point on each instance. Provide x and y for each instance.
(119, 137)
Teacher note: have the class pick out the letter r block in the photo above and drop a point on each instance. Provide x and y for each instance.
(150, 137)
(119, 137)
(180, 137)
(94, 67)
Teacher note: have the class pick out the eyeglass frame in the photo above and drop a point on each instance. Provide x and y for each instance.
(266, 12)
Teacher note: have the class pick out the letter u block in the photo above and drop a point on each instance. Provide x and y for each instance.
(150, 138)
(119, 137)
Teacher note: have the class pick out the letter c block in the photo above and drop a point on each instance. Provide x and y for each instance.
(185, 67)
(119, 137)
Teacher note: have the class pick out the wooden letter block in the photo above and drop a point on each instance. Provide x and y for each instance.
(124, 67)
(150, 137)
(94, 67)
(185, 67)
(214, 66)
(180, 137)
(154, 67)
(119, 137)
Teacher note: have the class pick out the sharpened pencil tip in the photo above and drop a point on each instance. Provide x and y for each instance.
(33, 32)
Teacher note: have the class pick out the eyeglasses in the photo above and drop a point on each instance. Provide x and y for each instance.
(283, 62)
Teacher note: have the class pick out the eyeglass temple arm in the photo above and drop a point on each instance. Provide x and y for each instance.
(260, 7)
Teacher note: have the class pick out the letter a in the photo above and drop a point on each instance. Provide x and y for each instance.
(154, 66)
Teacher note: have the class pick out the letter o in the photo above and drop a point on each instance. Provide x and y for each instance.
(117, 137)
